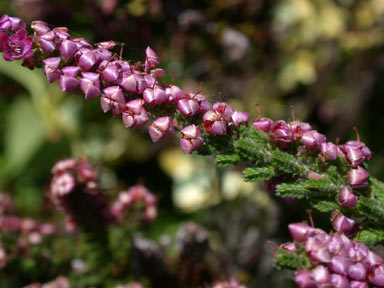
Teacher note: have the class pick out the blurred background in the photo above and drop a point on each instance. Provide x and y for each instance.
(324, 57)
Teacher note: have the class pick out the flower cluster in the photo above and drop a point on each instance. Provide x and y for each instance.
(286, 135)
(130, 90)
(74, 187)
(27, 231)
(127, 199)
(335, 260)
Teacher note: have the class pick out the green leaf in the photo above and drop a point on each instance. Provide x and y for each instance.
(325, 205)
(226, 160)
(371, 236)
(294, 190)
(23, 136)
(248, 149)
(290, 260)
(322, 186)
(286, 163)
(254, 174)
(371, 209)
(377, 188)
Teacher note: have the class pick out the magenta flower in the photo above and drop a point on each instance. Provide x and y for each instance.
(344, 224)
(312, 140)
(263, 124)
(376, 277)
(90, 84)
(113, 100)
(188, 107)
(329, 151)
(17, 46)
(347, 198)
(40, 27)
(214, 123)
(161, 128)
(299, 128)
(151, 60)
(358, 178)
(62, 184)
(191, 139)
(339, 281)
(11, 23)
(356, 152)
(301, 231)
(134, 114)
(51, 68)
(68, 48)
(154, 96)
(174, 94)
(69, 81)
(281, 134)
(303, 279)
(239, 118)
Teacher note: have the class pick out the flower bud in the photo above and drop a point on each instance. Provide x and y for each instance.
(376, 277)
(174, 94)
(312, 140)
(322, 255)
(86, 58)
(110, 71)
(289, 246)
(301, 231)
(281, 134)
(113, 100)
(358, 177)
(263, 124)
(46, 42)
(321, 274)
(62, 184)
(224, 110)
(40, 27)
(152, 60)
(344, 224)
(191, 139)
(339, 281)
(358, 252)
(213, 123)
(357, 271)
(51, 68)
(340, 265)
(5, 23)
(356, 152)
(69, 81)
(90, 84)
(347, 198)
(188, 107)
(161, 128)
(358, 284)
(299, 128)
(68, 48)
(372, 260)
(134, 114)
(109, 45)
(154, 96)
(239, 118)
(303, 279)
(328, 151)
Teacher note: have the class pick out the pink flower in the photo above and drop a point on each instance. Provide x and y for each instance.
(17, 46)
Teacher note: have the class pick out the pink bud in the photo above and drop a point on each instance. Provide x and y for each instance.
(110, 71)
(339, 281)
(344, 224)
(191, 139)
(358, 284)
(188, 107)
(299, 128)
(46, 42)
(357, 272)
(135, 115)
(5, 23)
(129, 82)
(321, 274)
(373, 260)
(328, 151)
(303, 279)
(161, 128)
(68, 48)
(301, 231)
(151, 59)
(347, 198)
(340, 265)
(376, 277)
(113, 100)
(69, 81)
(174, 94)
(263, 124)
(239, 118)
(358, 177)
(224, 110)
(214, 124)
(321, 256)
(356, 152)
(51, 68)
(312, 140)
(40, 27)
(90, 84)
(106, 45)
(358, 252)
(289, 246)
(281, 134)
(155, 96)
(87, 59)
(62, 184)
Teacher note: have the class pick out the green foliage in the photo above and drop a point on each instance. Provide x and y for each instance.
(371, 209)
(226, 160)
(253, 174)
(291, 260)
(292, 190)
(287, 163)
(377, 188)
(371, 236)
(325, 206)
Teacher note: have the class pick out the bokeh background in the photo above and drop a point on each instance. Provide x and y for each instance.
(324, 57)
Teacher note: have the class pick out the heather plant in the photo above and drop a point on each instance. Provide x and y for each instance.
(295, 162)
